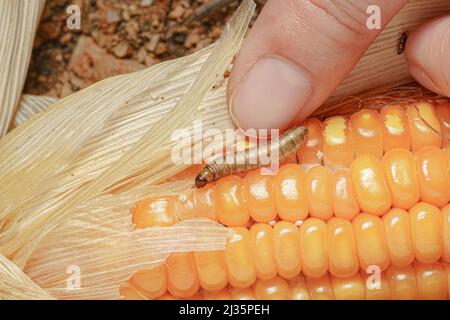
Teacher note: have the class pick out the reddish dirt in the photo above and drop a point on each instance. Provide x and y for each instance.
(117, 37)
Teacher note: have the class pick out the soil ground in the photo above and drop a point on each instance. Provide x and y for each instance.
(118, 36)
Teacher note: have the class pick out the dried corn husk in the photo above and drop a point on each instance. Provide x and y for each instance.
(18, 23)
(106, 252)
(16, 285)
(53, 166)
(100, 241)
(29, 105)
(67, 160)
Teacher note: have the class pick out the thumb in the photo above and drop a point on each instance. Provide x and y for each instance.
(296, 55)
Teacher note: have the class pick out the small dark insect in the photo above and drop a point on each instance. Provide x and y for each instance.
(402, 43)
(289, 142)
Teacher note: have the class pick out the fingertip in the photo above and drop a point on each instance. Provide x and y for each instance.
(428, 54)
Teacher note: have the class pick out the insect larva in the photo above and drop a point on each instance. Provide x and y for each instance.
(289, 142)
(400, 179)
(338, 246)
(411, 282)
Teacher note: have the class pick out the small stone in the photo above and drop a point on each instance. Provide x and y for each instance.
(177, 13)
(110, 29)
(122, 50)
(216, 32)
(66, 38)
(77, 83)
(161, 48)
(65, 77)
(49, 30)
(113, 16)
(58, 87)
(104, 40)
(37, 42)
(93, 15)
(96, 34)
(141, 54)
(146, 3)
(192, 40)
(132, 29)
(41, 79)
(126, 15)
(154, 40)
(66, 90)
(203, 43)
(133, 9)
(149, 61)
(189, 12)
(51, 93)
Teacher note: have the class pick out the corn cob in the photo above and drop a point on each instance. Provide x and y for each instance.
(400, 179)
(414, 281)
(337, 141)
(337, 246)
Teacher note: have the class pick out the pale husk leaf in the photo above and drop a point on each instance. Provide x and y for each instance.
(29, 105)
(56, 168)
(16, 285)
(19, 20)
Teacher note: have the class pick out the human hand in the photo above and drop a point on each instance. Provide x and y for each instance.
(299, 51)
